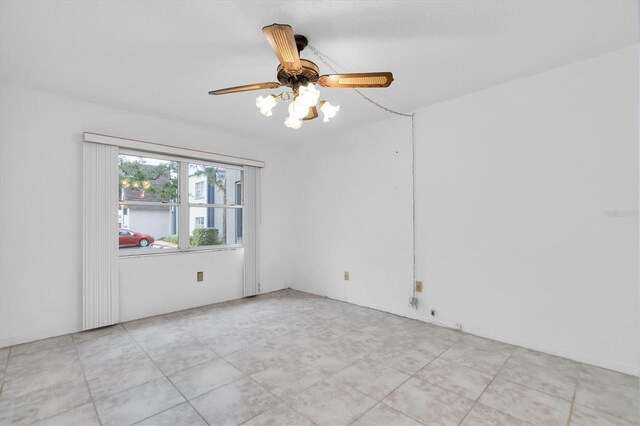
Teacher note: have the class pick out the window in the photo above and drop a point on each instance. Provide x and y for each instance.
(152, 212)
(218, 208)
(199, 190)
(148, 194)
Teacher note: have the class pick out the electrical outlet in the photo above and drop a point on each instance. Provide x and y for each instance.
(418, 286)
(346, 275)
(200, 276)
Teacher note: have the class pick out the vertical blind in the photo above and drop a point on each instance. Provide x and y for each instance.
(251, 225)
(100, 286)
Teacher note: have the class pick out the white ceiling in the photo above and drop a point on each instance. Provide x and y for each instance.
(162, 57)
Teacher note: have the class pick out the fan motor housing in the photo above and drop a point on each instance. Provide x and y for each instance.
(309, 74)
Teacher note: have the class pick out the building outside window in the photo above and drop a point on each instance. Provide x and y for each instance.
(153, 209)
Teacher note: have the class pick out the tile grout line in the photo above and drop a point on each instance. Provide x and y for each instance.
(6, 366)
(511, 381)
(244, 376)
(160, 412)
(412, 376)
(280, 399)
(205, 342)
(487, 387)
(537, 390)
(167, 378)
(396, 388)
(86, 381)
(332, 376)
(248, 376)
(200, 364)
(126, 390)
(573, 400)
(466, 366)
(380, 401)
(283, 400)
(199, 341)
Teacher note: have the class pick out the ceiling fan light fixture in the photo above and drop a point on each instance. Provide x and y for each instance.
(266, 104)
(299, 75)
(328, 110)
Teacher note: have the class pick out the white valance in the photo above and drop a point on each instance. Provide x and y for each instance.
(170, 149)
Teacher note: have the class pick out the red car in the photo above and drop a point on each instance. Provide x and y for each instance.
(128, 238)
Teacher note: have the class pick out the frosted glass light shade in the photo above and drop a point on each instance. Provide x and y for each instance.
(292, 122)
(298, 108)
(266, 104)
(309, 94)
(328, 110)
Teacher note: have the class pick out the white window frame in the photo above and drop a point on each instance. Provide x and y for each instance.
(185, 182)
(183, 205)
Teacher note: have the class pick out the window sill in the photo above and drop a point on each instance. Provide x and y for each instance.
(172, 252)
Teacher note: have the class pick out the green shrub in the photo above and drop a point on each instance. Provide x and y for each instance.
(172, 238)
(205, 237)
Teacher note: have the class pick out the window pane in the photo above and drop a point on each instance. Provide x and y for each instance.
(145, 227)
(147, 179)
(209, 226)
(214, 185)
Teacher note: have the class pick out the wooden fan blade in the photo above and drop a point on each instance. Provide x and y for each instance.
(245, 88)
(313, 113)
(363, 79)
(281, 39)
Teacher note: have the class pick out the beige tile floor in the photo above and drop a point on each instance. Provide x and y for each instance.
(293, 358)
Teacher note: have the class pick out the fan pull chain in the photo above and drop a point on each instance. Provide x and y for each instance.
(413, 302)
(413, 206)
(324, 60)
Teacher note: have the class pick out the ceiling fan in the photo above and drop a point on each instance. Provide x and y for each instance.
(301, 75)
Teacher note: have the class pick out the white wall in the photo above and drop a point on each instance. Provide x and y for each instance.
(353, 214)
(512, 187)
(40, 248)
(177, 289)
